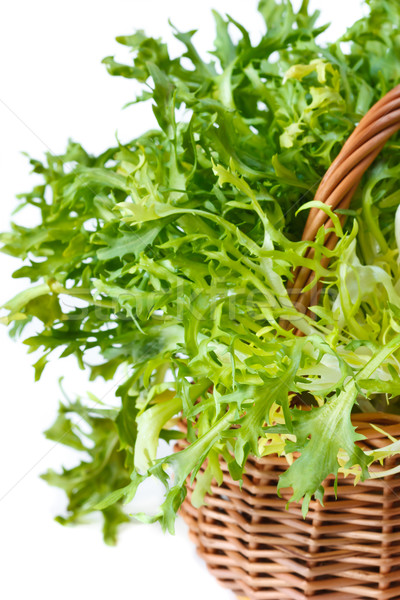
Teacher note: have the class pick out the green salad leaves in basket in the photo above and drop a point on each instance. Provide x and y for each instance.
(172, 258)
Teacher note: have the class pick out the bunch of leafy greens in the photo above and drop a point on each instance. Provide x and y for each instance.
(176, 249)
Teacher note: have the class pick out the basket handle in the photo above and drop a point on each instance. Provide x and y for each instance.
(341, 181)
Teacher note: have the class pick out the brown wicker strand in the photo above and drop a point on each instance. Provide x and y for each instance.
(342, 178)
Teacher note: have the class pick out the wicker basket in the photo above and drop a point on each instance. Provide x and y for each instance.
(350, 548)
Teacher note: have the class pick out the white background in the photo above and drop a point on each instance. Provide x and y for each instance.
(53, 87)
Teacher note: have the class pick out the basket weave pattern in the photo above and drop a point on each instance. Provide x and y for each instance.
(350, 548)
